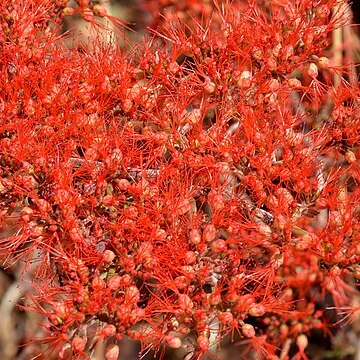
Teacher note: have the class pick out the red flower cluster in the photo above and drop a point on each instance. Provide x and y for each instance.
(203, 185)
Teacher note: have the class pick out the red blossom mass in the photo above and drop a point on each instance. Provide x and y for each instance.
(204, 184)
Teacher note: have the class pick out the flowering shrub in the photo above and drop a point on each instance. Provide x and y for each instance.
(200, 187)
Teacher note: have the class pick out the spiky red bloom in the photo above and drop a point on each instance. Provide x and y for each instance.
(203, 184)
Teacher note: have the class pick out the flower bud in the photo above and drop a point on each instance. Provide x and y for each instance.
(324, 62)
(132, 294)
(313, 71)
(127, 105)
(114, 282)
(195, 237)
(226, 317)
(190, 257)
(68, 11)
(108, 256)
(99, 10)
(26, 213)
(218, 246)
(181, 282)
(294, 83)
(248, 330)
(244, 81)
(357, 272)
(209, 233)
(209, 86)
(78, 344)
(302, 342)
(112, 352)
(350, 157)
(257, 310)
(173, 341)
(203, 343)
(185, 302)
(108, 330)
